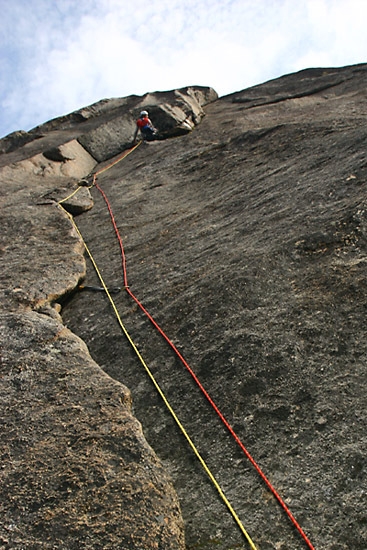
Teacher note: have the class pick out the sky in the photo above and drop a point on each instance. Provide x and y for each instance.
(57, 56)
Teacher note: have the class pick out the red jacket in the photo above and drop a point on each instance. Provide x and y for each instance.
(143, 122)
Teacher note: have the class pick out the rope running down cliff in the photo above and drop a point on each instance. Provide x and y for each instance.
(161, 393)
(160, 330)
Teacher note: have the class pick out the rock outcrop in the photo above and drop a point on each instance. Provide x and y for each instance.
(77, 471)
(246, 239)
(106, 128)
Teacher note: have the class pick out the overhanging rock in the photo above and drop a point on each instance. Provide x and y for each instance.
(173, 113)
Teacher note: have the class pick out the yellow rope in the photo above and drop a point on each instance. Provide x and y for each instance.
(124, 155)
(71, 195)
(158, 388)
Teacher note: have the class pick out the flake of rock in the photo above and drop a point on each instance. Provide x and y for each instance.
(79, 202)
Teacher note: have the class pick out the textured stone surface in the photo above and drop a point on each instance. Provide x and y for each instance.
(77, 471)
(173, 113)
(246, 239)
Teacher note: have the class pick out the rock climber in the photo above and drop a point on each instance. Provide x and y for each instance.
(144, 124)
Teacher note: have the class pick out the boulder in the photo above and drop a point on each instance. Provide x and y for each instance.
(110, 138)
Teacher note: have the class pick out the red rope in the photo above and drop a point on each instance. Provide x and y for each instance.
(203, 390)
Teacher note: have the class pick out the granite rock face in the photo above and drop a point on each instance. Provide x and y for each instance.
(105, 128)
(246, 240)
(77, 471)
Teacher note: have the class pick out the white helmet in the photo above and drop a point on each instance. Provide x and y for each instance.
(144, 113)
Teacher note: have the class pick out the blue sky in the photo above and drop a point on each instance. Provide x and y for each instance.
(57, 56)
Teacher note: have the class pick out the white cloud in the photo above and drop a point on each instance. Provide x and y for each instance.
(59, 55)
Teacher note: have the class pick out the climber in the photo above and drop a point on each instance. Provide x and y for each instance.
(144, 124)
